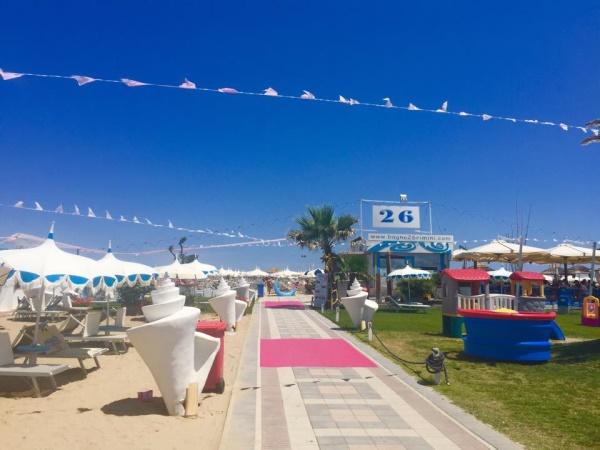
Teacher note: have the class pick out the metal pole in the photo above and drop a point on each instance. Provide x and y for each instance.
(430, 219)
(592, 269)
(361, 217)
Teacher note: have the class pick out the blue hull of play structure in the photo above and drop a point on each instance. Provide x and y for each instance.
(508, 340)
(557, 333)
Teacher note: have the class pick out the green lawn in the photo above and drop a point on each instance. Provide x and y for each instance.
(543, 406)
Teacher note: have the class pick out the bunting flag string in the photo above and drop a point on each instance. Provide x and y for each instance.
(83, 80)
(278, 242)
(135, 220)
(529, 240)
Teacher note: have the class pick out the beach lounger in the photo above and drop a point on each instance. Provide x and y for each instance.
(8, 368)
(92, 333)
(59, 348)
(413, 306)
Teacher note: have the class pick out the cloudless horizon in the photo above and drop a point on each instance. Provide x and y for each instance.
(253, 164)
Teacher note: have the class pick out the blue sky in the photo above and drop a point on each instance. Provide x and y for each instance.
(253, 164)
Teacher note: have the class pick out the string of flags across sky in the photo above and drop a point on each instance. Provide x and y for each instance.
(90, 214)
(83, 80)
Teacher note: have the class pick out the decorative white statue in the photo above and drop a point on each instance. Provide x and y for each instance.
(176, 354)
(357, 305)
(226, 306)
(243, 290)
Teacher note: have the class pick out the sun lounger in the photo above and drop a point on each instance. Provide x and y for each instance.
(59, 348)
(413, 306)
(8, 368)
(92, 333)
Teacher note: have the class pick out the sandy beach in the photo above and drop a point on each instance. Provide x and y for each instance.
(102, 411)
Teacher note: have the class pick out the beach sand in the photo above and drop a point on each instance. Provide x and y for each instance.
(102, 411)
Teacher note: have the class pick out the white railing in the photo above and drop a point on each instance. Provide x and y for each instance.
(471, 301)
(504, 301)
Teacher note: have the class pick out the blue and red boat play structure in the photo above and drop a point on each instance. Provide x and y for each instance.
(510, 336)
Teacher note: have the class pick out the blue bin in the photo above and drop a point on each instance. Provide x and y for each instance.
(260, 287)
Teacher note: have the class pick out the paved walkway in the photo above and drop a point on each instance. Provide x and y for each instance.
(339, 408)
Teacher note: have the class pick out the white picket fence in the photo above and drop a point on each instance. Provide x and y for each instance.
(491, 302)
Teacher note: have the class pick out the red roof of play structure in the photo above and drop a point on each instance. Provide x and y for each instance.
(527, 276)
(466, 274)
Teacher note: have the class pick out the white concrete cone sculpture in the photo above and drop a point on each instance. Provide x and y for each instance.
(357, 305)
(175, 353)
(355, 288)
(243, 290)
(226, 306)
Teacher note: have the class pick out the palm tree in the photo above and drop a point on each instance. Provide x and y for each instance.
(595, 138)
(321, 230)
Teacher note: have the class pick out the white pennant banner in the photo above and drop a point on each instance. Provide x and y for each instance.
(83, 80)
(135, 220)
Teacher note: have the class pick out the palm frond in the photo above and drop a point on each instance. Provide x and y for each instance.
(591, 140)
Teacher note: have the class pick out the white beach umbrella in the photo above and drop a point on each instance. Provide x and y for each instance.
(409, 273)
(501, 251)
(287, 273)
(125, 272)
(256, 273)
(501, 273)
(566, 253)
(47, 266)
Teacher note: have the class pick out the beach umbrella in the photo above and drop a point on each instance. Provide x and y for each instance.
(499, 251)
(125, 272)
(256, 273)
(45, 265)
(287, 273)
(502, 275)
(409, 273)
(566, 253)
(313, 273)
(196, 266)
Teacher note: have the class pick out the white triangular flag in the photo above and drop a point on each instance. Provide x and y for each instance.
(412, 107)
(108, 216)
(9, 75)
(342, 99)
(547, 123)
(388, 102)
(444, 107)
(122, 219)
(462, 113)
(76, 210)
(584, 129)
(486, 116)
(531, 120)
(564, 126)
(595, 131)
(135, 219)
(148, 222)
(227, 90)
(353, 102)
(90, 212)
(59, 209)
(512, 119)
(271, 92)
(19, 204)
(132, 83)
(306, 95)
(240, 235)
(38, 207)
(81, 79)
(171, 224)
(187, 84)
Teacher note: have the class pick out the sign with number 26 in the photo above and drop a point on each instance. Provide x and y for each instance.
(388, 216)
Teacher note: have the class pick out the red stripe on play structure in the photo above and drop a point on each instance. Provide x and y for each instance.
(311, 353)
